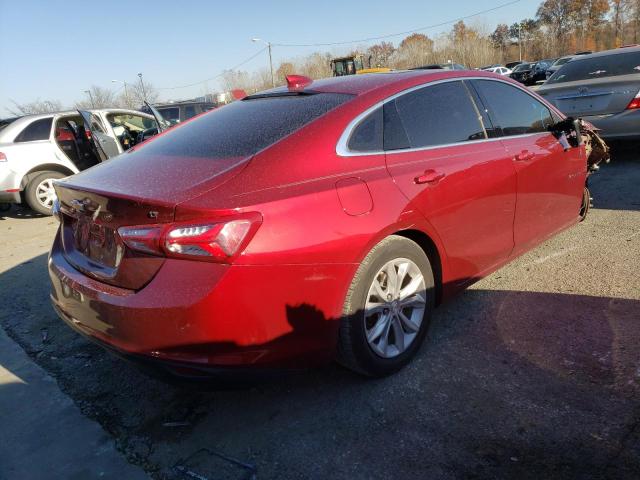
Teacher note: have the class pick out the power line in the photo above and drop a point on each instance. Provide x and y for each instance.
(218, 75)
(362, 40)
(391, 35)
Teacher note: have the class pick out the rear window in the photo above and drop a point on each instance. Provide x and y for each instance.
(598, 67)
(7, 121)
(522, 66)
(562, 61)
(38, 130)
(244, 127)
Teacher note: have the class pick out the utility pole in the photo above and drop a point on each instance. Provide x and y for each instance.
(520, 39)
(144, 94)
(268, 44)
(126, 93)
(88, 92)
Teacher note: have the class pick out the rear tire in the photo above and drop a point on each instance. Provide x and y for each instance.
(39, 193)
(403, 315)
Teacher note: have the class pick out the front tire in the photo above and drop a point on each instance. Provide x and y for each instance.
(586, 204)
(387, 309)
(40, 194)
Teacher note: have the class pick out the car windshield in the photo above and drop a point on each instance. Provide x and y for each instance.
(244, 127)
(598, 67)
(522, 66)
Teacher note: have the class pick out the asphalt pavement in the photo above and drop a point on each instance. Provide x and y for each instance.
(533, 372)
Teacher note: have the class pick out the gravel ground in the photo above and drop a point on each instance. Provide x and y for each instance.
(534, 372)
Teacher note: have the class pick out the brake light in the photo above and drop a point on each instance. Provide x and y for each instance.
(635, 102)
(213, 241)
(3, 157)
(297, 82)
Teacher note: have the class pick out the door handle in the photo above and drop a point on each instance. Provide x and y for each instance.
(524, 155)
(429, 176)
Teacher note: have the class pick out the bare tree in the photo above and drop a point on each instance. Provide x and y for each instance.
(98, 97)
(285, 68)
(413, 51)
(141, 91)
(380, 54)
(37, 106)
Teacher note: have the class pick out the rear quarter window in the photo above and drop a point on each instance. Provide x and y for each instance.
(38, 130)
(244, 127)
(598, 67)
(367, 136)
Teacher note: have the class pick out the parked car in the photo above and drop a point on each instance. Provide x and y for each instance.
(177, 112)
(602, 88)
(35, 150)
(499, 70)
(512, 65)
(290, 227)
(555, 66)
(530, 73)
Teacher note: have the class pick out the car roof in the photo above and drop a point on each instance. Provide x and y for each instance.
(604, 53)
(368, 82)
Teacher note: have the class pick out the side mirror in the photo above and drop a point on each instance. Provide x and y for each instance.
(567, 132)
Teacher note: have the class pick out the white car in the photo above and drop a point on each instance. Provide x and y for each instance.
(499, 70)
(37, 149)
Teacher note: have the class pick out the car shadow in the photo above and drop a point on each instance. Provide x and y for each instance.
(18, 211)
(509, 384)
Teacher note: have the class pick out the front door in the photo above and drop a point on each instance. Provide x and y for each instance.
(550, 179)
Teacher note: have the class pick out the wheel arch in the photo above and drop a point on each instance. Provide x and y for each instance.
(45, 167)
(431, 250)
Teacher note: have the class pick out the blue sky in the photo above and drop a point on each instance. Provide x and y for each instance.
(56, 49)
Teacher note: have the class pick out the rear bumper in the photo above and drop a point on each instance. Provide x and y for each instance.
(10, 197)
(618, 126)
(9, 185)
(205, 316)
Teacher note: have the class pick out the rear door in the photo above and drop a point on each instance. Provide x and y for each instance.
(106, 145)
(598, 85)
(439, 154)
(550, 179)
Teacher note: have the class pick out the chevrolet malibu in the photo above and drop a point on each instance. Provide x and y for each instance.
(320, 220)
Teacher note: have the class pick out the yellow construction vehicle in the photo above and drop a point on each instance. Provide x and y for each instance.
(354, 65)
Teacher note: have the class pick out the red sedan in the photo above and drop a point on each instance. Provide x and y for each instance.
(321, 220)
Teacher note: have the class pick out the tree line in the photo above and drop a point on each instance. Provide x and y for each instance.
(560, 27)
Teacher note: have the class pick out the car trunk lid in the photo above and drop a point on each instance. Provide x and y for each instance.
(598, 97)
(122, 192)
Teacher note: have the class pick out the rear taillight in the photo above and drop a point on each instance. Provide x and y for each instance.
(218, 240)
(3, 157)
(635, 102)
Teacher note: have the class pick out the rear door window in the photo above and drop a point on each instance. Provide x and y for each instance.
(38, 130)
(189, 111)
(438, 114)
(512, 110)
(598, 67)
(244, 127)
(171, 114)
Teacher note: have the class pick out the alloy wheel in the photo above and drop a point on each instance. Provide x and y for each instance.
(45, 193)
(394, 308)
